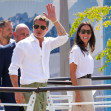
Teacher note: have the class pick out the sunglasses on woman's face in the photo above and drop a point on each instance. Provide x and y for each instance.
(37, 26)
(85, 31)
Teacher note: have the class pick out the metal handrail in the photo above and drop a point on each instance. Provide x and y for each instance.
(67, 80)
(93, 78)
(30, 105)
(59, 82)
(17, 89)
(63, 88)
(44, 89)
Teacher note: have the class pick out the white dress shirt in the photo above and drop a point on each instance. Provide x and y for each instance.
(85, 63)
(34, 60)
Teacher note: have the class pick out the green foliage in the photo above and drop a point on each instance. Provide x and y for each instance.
(93, 14)
(96, 14)
(105, 53)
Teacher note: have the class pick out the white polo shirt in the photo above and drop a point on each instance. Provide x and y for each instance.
(32, 60)
(84, 62)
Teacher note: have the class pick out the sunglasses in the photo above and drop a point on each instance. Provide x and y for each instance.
(42, 27)
(85, 31)
(2, 23)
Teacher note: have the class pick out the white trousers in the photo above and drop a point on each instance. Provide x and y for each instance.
(86, 96)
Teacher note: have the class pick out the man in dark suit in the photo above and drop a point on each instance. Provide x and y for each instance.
(6, 54)
(6, 50)
(6, 30)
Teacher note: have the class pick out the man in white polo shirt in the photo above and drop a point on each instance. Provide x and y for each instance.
(31, 55)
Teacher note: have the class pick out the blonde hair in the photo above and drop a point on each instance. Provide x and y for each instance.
(42, 18)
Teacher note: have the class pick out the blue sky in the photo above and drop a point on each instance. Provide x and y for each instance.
(9, 8)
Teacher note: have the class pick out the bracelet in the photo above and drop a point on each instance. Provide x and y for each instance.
(55, 21)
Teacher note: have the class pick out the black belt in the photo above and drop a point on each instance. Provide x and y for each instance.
(86, 76)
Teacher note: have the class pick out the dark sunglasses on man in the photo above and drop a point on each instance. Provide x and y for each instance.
(2, 23)
(83, 31)
(37, 26)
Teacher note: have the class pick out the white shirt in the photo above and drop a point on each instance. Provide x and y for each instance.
(85, 63)
(32, 60)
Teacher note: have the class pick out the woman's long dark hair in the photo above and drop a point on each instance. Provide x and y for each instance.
(80, 43)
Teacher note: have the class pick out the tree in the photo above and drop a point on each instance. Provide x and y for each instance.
(96, 14)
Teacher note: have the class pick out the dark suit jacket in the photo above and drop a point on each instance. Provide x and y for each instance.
(5, 81)
(7, 55)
